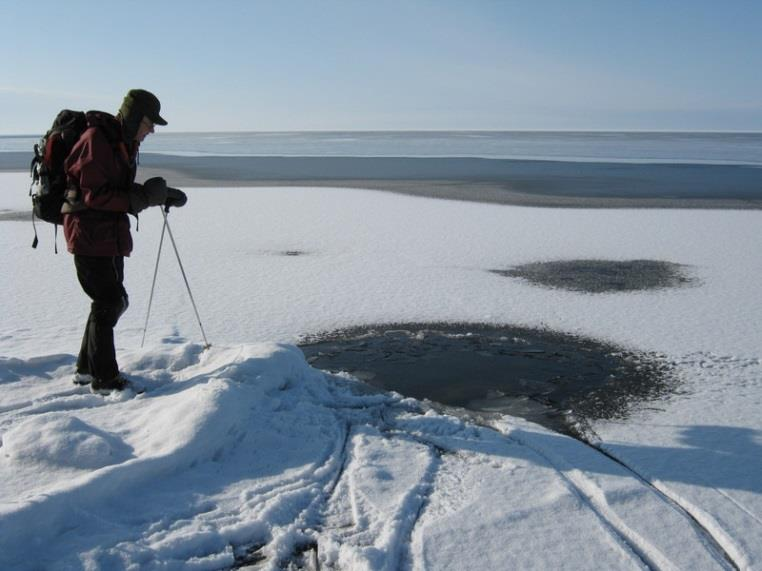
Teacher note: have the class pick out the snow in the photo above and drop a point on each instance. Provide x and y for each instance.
(243, 454)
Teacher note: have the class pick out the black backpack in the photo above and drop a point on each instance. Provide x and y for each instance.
(48, 189)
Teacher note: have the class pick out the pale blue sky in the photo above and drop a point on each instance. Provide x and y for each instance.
(341, 65)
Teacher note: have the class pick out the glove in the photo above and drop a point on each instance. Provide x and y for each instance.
(156, 190)
(152, 192)
(175, 197)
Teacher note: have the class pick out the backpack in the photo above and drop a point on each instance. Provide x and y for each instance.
(48, 188)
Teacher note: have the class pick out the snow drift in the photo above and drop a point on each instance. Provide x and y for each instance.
(246, 454)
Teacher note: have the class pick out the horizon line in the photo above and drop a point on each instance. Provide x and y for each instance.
(299, 131)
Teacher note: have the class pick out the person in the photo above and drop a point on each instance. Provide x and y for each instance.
(101, 191)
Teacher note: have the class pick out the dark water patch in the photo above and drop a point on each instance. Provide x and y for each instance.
(556, 380)
(15, 216)
(603, 276)
(558, 183)
(558, 178)
(283, 253)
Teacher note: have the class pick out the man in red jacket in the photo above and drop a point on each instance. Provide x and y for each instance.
(101, 192)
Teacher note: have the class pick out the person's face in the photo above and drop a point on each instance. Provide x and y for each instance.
(144, 129)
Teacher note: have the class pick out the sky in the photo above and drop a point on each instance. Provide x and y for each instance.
(392, 65)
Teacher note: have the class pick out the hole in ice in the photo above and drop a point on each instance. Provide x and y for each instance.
(603, 276)
(557, 380)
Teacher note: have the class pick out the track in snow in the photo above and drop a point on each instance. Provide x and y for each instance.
(385, 475)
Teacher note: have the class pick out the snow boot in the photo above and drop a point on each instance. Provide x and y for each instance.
(82, 379)
(101, 387)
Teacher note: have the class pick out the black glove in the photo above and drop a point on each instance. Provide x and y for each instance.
(156, 189)
(175, 197)
(152, 192)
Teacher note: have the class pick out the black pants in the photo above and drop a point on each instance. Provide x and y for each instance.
(102, 279)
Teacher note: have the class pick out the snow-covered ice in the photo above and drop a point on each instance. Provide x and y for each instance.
(245, 455)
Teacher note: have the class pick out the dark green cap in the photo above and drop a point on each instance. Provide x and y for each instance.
(139, 103)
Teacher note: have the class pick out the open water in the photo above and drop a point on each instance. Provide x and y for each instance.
(587, 146)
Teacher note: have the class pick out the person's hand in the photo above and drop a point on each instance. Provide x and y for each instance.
(152, 192)
(155, 191)
(175, 197)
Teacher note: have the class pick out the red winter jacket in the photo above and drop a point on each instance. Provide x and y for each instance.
(102, 170)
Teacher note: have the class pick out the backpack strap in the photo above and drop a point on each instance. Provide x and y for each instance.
(35, 177)
(36, 159)
(35, 241)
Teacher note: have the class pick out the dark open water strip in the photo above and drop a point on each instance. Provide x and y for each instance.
(501, 180)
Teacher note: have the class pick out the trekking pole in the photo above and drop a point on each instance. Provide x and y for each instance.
(187, 286)
(153, 283)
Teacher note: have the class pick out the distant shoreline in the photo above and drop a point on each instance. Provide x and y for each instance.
(504, 181)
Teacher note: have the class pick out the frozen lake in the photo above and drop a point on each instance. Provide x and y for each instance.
(246, 454)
